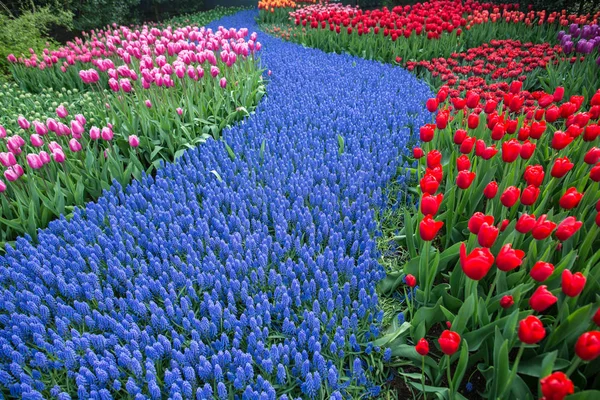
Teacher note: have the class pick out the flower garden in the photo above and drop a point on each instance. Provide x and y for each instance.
(305, 201)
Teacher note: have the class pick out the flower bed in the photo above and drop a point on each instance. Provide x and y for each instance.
(151, 94)
(247, 268)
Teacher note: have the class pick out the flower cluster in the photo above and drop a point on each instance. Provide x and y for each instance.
(522, 180)
(584, 40)
(245, 269)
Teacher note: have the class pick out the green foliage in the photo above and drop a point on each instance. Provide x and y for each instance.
(28, 30)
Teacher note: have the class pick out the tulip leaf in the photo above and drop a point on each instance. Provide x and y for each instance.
(574, 325)
(393, 335)
(461, 367)
(340, 139)
(542, 365)
(229, 151)
(410, 235)
(501, 365)
(464, 315)
(585, 395)
(407, 351)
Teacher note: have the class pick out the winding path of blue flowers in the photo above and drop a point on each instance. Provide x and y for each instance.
(251, 278)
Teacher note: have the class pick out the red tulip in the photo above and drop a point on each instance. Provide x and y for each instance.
(534, 175)
(596, 317)
(572, 284)
(560, 140)
(570, 199)
(429, 184)
(595, 173)
(431, 204)
(487, 235)
(509, 258)
(507, 301)
(489, 152)
(437, 172)
(441, 119)
(588, 346)
(591, 132)
(527, 150)
(504, 224)
(467, 145)
(411, 281)
(429, 228)
(530, 195)
(524, 133)
(531, 330)
(561, 166)
(592, 156)
(498, 131)
(477, 219)
(449, 342)
(426, 132)
(464, 179)
(574, 131)
(432, 105)
(477, 263)
(556, 386)
(537, 129)
(543, 228)
(567, 228)
(472, 99)
(546, 100)
(541, 271)
(552, 114)
(559, 92)
(458, 103)
(473, 121)
(434, 158)
(418, 152)
(525, 223)
(510, 196)
(490, 106)
(511, 150)
(597, 220)
(459, 136)
(463, 163)
(490, 190)
(541, 299)
(422, 347)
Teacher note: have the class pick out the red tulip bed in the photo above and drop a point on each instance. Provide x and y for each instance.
(496, 269)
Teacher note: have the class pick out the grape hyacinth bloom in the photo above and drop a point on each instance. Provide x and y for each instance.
(238, 276)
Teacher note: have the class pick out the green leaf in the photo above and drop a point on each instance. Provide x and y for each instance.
(261, 154)
(410, 236)
(382, 341)
(585, 395)
(461, 367)
(542, 365)
(575, 324)
(215, 173)
(229, 151)
(464, 315)
(340, 144)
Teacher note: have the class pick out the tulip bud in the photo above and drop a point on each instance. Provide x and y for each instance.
(459, 136)
(530, 195)
(106, 133)
(490, 190)
(428, 228)
(74, 145)
(417, 152)
(588, 346)
(59, 156)
(411, 281)
(61, 111)
(422, 347)
(507, 301)
(426, 132)
(449, 342)
(134, 141)
(23, 123)
(510, 196)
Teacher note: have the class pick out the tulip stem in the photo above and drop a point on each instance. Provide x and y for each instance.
(574, 366)
(449, 377)
(513, 372)
(492, 288)
(423, 376)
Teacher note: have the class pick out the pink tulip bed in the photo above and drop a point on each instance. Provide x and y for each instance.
(128, 99)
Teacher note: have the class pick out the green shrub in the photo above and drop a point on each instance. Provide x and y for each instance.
(28, 30)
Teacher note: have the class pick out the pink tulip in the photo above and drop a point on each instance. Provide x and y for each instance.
(61, 111)
(74, 145)
(223, 82)
(148, 104)
(11, 58)
(52, 125)
(40, 128)
(18, 170)
(81, 119)
(2, 187)
(7, 159)
(54, 146)
(34, 161)
(11, 175)
(107, 133)
(125, 85)
(113, 84)
(59, 156)
(77, 129)
(2, 132)
(214, 71)
(179, 111)
(36, 140)
(23, 123)
(63, 130)
(180, 71)
(45, 157)
(134, 141)
(95, 133)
